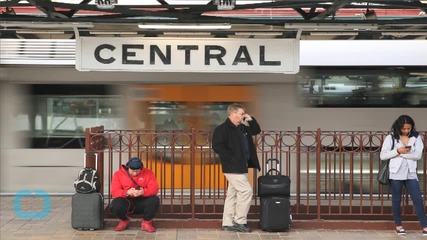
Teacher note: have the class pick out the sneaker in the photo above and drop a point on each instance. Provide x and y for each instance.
(242, 227)
(424, 233)
(147, 226)
(401, 232)
(123, 224)
(230, 228)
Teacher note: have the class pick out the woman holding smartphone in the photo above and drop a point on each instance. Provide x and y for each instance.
(407, 150)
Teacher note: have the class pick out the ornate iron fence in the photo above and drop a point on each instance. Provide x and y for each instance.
(333, 173)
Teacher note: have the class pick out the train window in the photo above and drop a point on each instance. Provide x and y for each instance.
(217, 113)
(60, 114)
(184, 115)
(167, 115)
(362, 88)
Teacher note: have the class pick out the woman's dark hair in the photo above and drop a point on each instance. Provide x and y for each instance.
(398, 125)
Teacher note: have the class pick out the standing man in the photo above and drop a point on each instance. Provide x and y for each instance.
(134, 189)
(232, 141)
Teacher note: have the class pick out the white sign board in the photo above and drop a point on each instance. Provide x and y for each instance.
(187, 55)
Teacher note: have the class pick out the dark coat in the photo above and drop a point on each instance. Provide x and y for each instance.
(227, 143)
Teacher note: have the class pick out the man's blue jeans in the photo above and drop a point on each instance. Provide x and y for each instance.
(413, 188)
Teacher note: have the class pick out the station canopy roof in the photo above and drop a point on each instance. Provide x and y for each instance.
(311, 19)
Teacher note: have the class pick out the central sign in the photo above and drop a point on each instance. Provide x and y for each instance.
(187, 55)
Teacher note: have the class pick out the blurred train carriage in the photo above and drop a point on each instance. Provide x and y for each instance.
(52, 117)
(182, 118)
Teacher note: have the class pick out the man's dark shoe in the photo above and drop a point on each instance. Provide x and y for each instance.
(230, 228)
(242, 227)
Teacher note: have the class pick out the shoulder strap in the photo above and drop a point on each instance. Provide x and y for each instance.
(131, 178)
(392, 142)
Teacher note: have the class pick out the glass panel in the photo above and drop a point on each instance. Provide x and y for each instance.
(62, 116)
(167, 115)
(55, 116)
(216, 113)
(184, 115)
(362, 88)
(417, 95)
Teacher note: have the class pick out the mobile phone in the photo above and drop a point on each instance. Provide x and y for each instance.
(408, 147)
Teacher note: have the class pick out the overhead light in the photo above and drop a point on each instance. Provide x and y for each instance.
(334, 33)
(258, 33)
(38, 32)
(330, 26)
(46, 24)
(418, 73)
(112, 33)
(405, 33)
(186, 33)
(185, 26)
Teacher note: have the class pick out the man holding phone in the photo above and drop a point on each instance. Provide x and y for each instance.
(232, 141)
(134, 189)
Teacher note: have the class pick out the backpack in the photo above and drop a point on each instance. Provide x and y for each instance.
(87, 181)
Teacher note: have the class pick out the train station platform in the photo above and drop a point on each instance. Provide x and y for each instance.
(30, 218)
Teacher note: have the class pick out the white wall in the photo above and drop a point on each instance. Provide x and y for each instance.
(50, 170)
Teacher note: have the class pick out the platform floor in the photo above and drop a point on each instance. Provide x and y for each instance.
(54, 223)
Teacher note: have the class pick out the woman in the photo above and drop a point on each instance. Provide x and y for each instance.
(407, 150)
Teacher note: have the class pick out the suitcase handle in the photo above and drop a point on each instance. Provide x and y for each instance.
(272, 160)
(96, 159)
(273, 170)
(270, 167)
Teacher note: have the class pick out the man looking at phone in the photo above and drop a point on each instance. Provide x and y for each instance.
(232, 141)
(134, 189)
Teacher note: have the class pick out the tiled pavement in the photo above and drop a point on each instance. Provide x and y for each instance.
(54, 223)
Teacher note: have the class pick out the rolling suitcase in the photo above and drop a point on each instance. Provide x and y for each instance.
(275, 214)
(276, 185)
(274, 191)
(87, 211)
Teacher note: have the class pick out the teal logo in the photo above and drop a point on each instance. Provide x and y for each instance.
(17, 204)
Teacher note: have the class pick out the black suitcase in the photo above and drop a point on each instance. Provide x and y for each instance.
(274, 183)
(275, 215)
(87, 211)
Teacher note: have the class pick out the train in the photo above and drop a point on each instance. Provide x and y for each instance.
(45, 108)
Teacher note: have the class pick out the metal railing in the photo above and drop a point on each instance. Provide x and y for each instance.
(333, 173)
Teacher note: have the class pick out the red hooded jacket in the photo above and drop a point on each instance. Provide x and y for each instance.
(121, 182)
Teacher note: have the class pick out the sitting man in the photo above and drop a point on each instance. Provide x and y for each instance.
(134, 189)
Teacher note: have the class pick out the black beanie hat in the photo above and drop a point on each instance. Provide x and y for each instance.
(135, 163)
